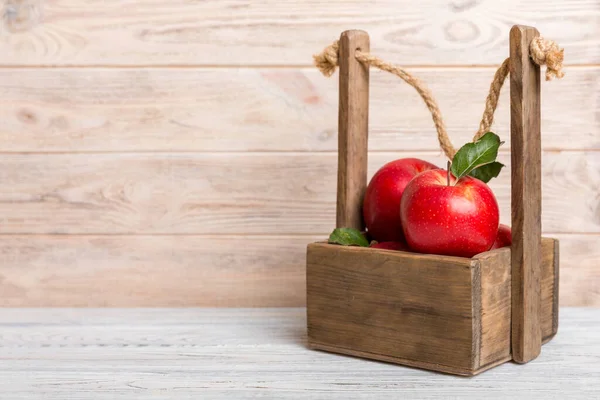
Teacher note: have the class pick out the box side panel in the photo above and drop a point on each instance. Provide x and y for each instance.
(495, 306)
(496, 303)
(476, 311)
(400, 305)
(549, 288)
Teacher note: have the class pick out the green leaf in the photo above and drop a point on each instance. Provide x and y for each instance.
(487, 172)
(474, 155)
(348, 237)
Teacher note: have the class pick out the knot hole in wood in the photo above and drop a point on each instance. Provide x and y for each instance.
(21, 15)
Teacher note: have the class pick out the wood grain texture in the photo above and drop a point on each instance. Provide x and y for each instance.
(257, 193)
(397, 305)
(550, 257)
(353, 130)
(580, 283)
(495, 306)
(152, 271)
(441, 313)
(496, 300)
(147, 76)
(63, 110)
(245, 32)
(526, 195)
(107, 354)
(97, 271)
(404, 361)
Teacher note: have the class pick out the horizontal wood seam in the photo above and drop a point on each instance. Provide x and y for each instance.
(426, 151)
(317, 235)
(249, 66)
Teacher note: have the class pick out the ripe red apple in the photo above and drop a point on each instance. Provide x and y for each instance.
(382, 198)
(391, 246)
(460, 219)
(503, 237)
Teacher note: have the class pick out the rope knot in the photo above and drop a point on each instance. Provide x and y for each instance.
(327, 60)
(546, 52)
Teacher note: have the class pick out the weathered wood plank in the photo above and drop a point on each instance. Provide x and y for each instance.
(526, 199)
(495, 304)
(257, 193)
(152, 271)
(245, 354)
(245, 32)
(406, 308)
(496, 300)
(135, 271)
(353, 130)
(264, 109)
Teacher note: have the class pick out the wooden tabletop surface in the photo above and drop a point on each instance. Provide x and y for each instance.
(253, 353)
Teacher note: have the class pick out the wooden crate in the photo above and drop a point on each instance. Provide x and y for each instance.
(448, 314)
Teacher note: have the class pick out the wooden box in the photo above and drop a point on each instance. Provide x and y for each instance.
(448, 314)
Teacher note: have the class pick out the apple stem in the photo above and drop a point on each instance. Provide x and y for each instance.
(448, 173)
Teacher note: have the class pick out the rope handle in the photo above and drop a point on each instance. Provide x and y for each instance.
(542, 52)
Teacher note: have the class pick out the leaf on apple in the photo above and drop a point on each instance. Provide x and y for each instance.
(476, 155)
(348, 237)
(487, 172)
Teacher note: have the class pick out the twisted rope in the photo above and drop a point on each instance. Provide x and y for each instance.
(542, 51)
(492, 99)
(423, 91)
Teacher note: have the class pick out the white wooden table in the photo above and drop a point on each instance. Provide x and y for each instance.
(253, 353)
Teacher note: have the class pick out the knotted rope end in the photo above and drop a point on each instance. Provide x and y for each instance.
(546, 52)
(327, 60)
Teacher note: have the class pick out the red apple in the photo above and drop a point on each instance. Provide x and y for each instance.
(460, 219)
(382, 198)
(503, 237)
(391, 246)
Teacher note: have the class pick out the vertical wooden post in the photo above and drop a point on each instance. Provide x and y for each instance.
(353, 124)
(526, 198)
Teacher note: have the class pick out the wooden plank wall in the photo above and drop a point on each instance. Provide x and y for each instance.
(182, 153)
